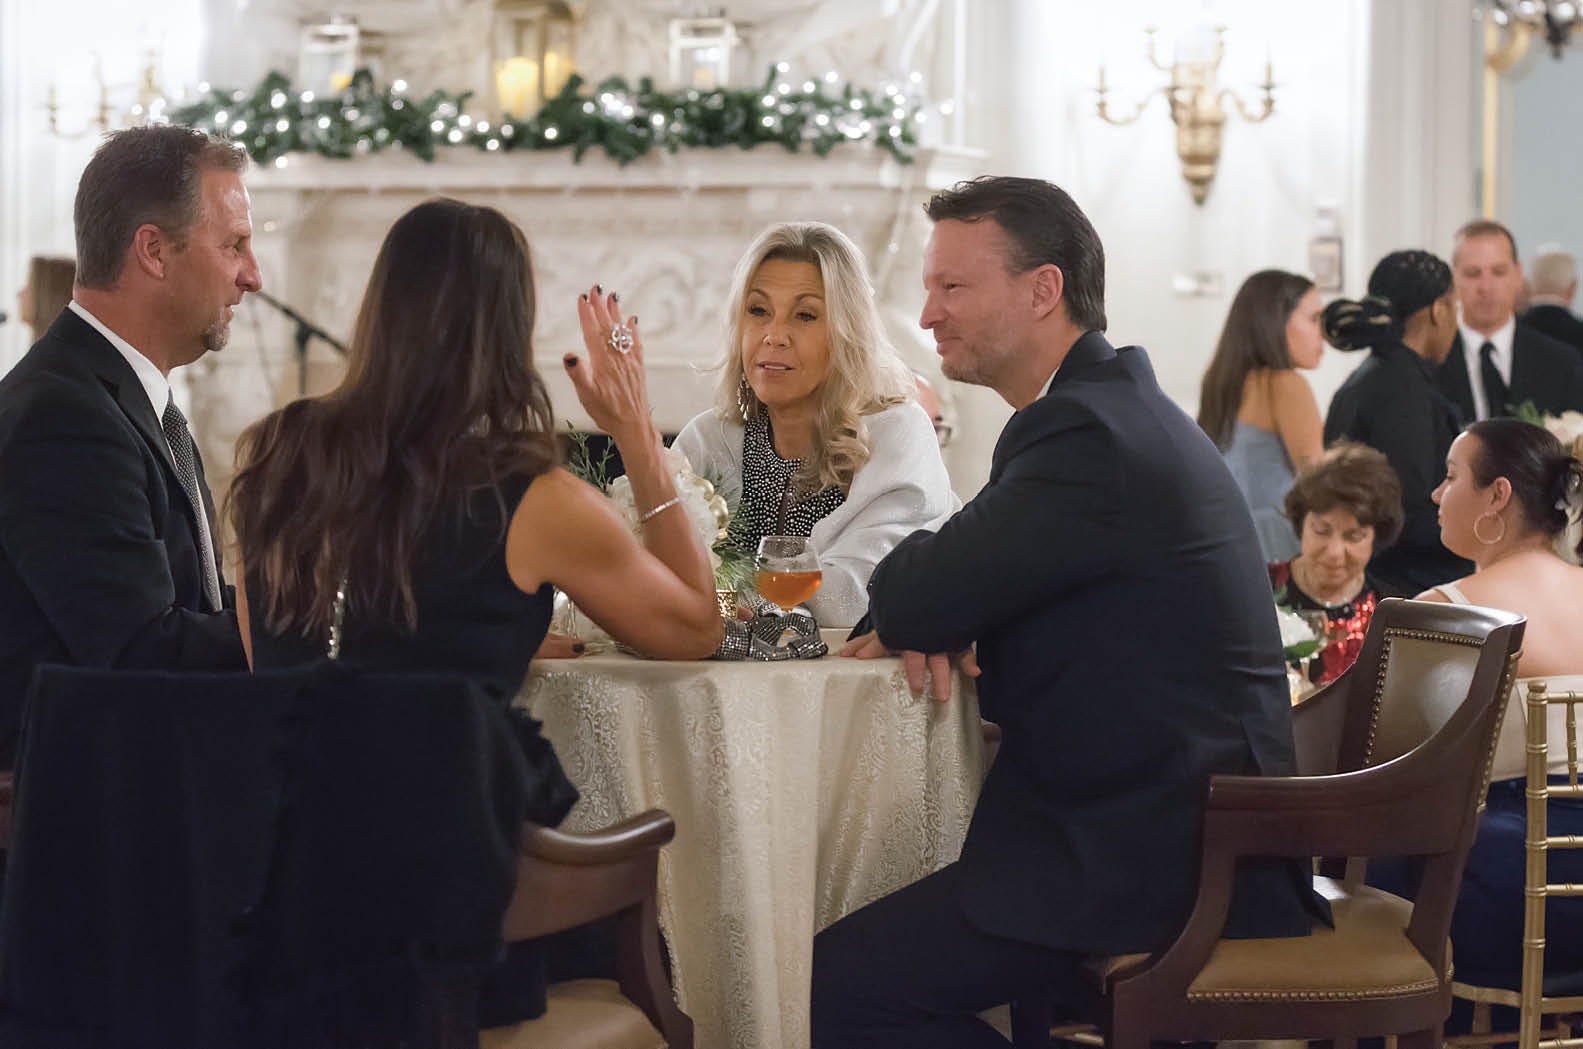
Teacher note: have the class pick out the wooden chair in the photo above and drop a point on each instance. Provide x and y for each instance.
(1531, 1001)
(565, 880)
(1394, 758)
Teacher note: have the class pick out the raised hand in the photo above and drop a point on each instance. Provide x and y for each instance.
(609, 379)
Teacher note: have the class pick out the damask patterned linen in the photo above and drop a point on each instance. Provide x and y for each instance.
(802, 790)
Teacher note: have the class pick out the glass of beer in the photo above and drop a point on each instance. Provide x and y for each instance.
(786, 570)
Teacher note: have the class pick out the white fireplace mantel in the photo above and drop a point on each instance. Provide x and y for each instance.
(665, 231)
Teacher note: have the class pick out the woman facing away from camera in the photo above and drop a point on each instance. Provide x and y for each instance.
(816, 427)
(1389, 402)
(1510, 497)
(1254, 405)
(427, 487)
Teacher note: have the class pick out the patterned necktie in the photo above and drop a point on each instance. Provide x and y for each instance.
(175, 426)
(1497, 397)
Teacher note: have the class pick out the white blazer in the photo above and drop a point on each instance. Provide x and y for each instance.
(903, 487)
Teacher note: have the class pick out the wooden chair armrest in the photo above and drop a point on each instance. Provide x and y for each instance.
(619, 841)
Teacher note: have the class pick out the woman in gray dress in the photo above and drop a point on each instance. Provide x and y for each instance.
(1260, 413)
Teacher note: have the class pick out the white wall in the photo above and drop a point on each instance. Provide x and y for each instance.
(1373, 112)
(1540, 193)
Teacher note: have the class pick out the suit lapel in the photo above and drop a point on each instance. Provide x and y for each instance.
(105, 361)
(1090, 349)
(1452, 378)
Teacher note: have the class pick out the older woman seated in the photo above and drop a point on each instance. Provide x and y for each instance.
(816, 427)
(1345, 508)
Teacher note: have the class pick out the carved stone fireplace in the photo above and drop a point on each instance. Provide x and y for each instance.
(665, 231)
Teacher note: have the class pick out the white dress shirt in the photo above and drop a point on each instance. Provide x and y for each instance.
(1472, 343)
(158, 389)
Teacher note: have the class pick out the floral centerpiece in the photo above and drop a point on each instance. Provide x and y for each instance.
(709, 512)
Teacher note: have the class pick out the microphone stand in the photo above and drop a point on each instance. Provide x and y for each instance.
(306, 332)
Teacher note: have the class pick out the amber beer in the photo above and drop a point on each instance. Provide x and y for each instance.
(787, 589)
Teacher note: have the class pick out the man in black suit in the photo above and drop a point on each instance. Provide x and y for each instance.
(1497, 364)
(107, 551)
(1110, 577)
(1555, 283)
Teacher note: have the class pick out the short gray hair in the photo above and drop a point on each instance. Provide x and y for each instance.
(1553, 270)
(139, 176)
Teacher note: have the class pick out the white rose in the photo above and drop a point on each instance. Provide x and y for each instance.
(1294, 630)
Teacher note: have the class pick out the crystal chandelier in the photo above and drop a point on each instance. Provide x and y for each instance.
(1554, 18)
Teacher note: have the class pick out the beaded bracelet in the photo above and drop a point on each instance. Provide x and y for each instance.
(666, 505)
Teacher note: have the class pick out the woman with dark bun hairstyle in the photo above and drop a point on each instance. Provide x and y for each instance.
(1510, 500)
(1407, 323)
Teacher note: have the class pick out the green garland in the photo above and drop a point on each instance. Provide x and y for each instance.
(275, 120)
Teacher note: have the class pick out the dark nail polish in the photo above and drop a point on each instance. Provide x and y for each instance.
(614, 297)
(569, 360)
(585, 296)
(632, 319)
(578, 646)
(598, 290)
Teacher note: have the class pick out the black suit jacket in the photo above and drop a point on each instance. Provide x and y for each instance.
(1111, 577)
(99, 554)
(1558, 322)
(1547, 372)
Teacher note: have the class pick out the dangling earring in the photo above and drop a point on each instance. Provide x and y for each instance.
(745, 398)
(1480, 520)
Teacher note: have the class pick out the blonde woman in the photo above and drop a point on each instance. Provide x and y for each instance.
(816, 427)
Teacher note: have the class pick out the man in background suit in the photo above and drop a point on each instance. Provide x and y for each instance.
(1111, 579)
(107, 533)
(1555, 282)
(1497, 364)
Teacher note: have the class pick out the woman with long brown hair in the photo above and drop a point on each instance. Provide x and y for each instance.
(1260, 413)
(427, 486)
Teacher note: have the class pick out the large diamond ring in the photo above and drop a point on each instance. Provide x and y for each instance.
(621, 339)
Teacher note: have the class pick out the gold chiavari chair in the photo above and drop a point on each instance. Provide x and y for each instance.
(1530, 1000)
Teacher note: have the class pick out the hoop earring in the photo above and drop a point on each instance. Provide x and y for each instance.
(745, 398)
(1479, 520)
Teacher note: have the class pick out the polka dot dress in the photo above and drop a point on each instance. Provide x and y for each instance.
(770, 504)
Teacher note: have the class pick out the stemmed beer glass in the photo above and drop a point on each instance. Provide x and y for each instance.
(786, 570)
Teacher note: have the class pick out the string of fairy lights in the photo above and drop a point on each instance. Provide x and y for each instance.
(274, 120)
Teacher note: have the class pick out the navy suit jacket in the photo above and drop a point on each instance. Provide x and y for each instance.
(1558, 322)
(99, 554)
(1110, 575)
(1545, 371)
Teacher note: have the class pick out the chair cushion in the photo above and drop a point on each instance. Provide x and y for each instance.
(582, 1014)
(1366, 955)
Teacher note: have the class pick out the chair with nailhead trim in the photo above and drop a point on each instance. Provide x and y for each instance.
(1394, 760)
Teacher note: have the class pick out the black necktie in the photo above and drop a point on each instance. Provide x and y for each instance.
(1496, 395)
(175, 426)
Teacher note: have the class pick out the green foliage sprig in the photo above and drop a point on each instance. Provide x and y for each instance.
(274, 119)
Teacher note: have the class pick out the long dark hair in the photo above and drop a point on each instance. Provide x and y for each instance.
(1544, 476)
(1254, 337)
(440, 402)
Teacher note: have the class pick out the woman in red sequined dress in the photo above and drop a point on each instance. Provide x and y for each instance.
(1346, 508)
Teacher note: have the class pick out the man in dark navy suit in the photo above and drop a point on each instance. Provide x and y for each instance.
(1497, 363)
(107, 533)
(1110, 578)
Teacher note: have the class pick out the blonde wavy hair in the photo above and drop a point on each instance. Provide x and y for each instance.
(866, 375)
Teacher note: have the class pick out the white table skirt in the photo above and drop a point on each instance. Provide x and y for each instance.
(801, 791)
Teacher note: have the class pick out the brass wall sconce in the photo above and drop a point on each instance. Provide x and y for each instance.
(150, 102)
(1197, 105)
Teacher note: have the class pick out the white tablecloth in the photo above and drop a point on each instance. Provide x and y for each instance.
(801, 790)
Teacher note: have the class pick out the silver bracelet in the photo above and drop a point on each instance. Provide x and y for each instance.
(666, 505)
